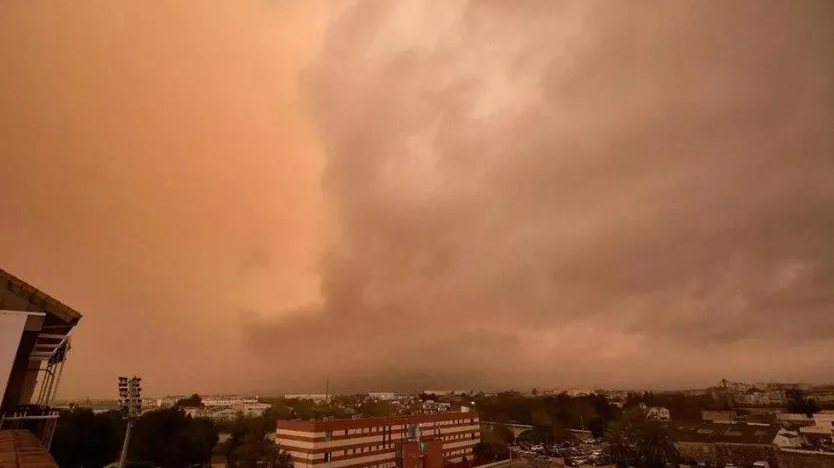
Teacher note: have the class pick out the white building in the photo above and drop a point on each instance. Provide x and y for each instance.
(253, 409)
(215, 401)
(787, 439)
(227, 412)
(657, 412)
(384, 396)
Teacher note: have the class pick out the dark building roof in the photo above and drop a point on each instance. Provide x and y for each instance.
(37, 300)
(750, 434)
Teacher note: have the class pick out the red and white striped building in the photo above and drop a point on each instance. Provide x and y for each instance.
(414, 441)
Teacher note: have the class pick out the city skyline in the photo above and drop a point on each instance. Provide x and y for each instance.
(261, 195)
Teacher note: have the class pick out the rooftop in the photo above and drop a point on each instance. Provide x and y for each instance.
(320, 425)
(37, 300)
(725, 433)
(21, 449)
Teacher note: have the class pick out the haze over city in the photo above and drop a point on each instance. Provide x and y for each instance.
(258, 196)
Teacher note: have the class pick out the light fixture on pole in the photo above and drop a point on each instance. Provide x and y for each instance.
(130, 406)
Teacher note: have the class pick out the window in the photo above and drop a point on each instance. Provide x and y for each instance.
(328, 456)
(412, 432)
(328, 435)
(473, 435)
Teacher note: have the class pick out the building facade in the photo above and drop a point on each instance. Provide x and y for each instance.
(413, 441)
(228, 412)
(226, 400)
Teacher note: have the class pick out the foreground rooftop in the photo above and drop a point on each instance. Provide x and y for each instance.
(21, 449)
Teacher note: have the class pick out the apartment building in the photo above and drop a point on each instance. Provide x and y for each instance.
(413, 441)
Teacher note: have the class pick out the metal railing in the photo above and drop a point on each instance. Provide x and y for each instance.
(39, 420)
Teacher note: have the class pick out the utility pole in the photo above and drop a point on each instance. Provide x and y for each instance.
(130, 405)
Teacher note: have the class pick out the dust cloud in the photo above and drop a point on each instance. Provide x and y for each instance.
(570, 193)
(257, 196)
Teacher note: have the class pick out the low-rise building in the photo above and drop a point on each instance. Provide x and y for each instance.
(413, 441)
(436, 406)
(231, 400)
(795, 418)
(719, 444)
(229, 412)
(658, 412)
(788, 439)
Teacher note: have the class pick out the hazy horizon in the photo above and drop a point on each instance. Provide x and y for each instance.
(540, 388)
(462, 194)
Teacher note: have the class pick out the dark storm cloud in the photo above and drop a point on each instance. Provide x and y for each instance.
(526, 189)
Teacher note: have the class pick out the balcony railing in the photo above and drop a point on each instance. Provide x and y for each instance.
(39, 420)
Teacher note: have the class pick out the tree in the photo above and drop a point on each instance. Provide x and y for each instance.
(655, 447)
(798, 402)
(83, 438)
(192, 401)
(376, 408)
(641, 441)
(171, 439)
(486, 452)
(501, 433)
(597, 427)
(250, 447)
(167, 438)
(621, 450)
(258, 452)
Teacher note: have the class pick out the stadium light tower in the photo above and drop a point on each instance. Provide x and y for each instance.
(130, 406)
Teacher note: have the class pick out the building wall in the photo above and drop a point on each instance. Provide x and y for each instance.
(804, 459)
(375, 441)
(719, 454)
(11, 331)
(22, 379)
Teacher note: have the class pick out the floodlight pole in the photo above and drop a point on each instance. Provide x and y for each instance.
(123, 457)
(130, 401)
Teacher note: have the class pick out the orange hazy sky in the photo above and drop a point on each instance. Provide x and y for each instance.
(256, 196)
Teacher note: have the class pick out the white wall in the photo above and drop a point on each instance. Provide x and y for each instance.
(11, 329)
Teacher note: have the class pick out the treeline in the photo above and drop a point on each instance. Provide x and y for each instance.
(165, 438)
(590, 412)
(550, 415)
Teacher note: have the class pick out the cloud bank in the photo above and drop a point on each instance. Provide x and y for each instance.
(570, 193)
